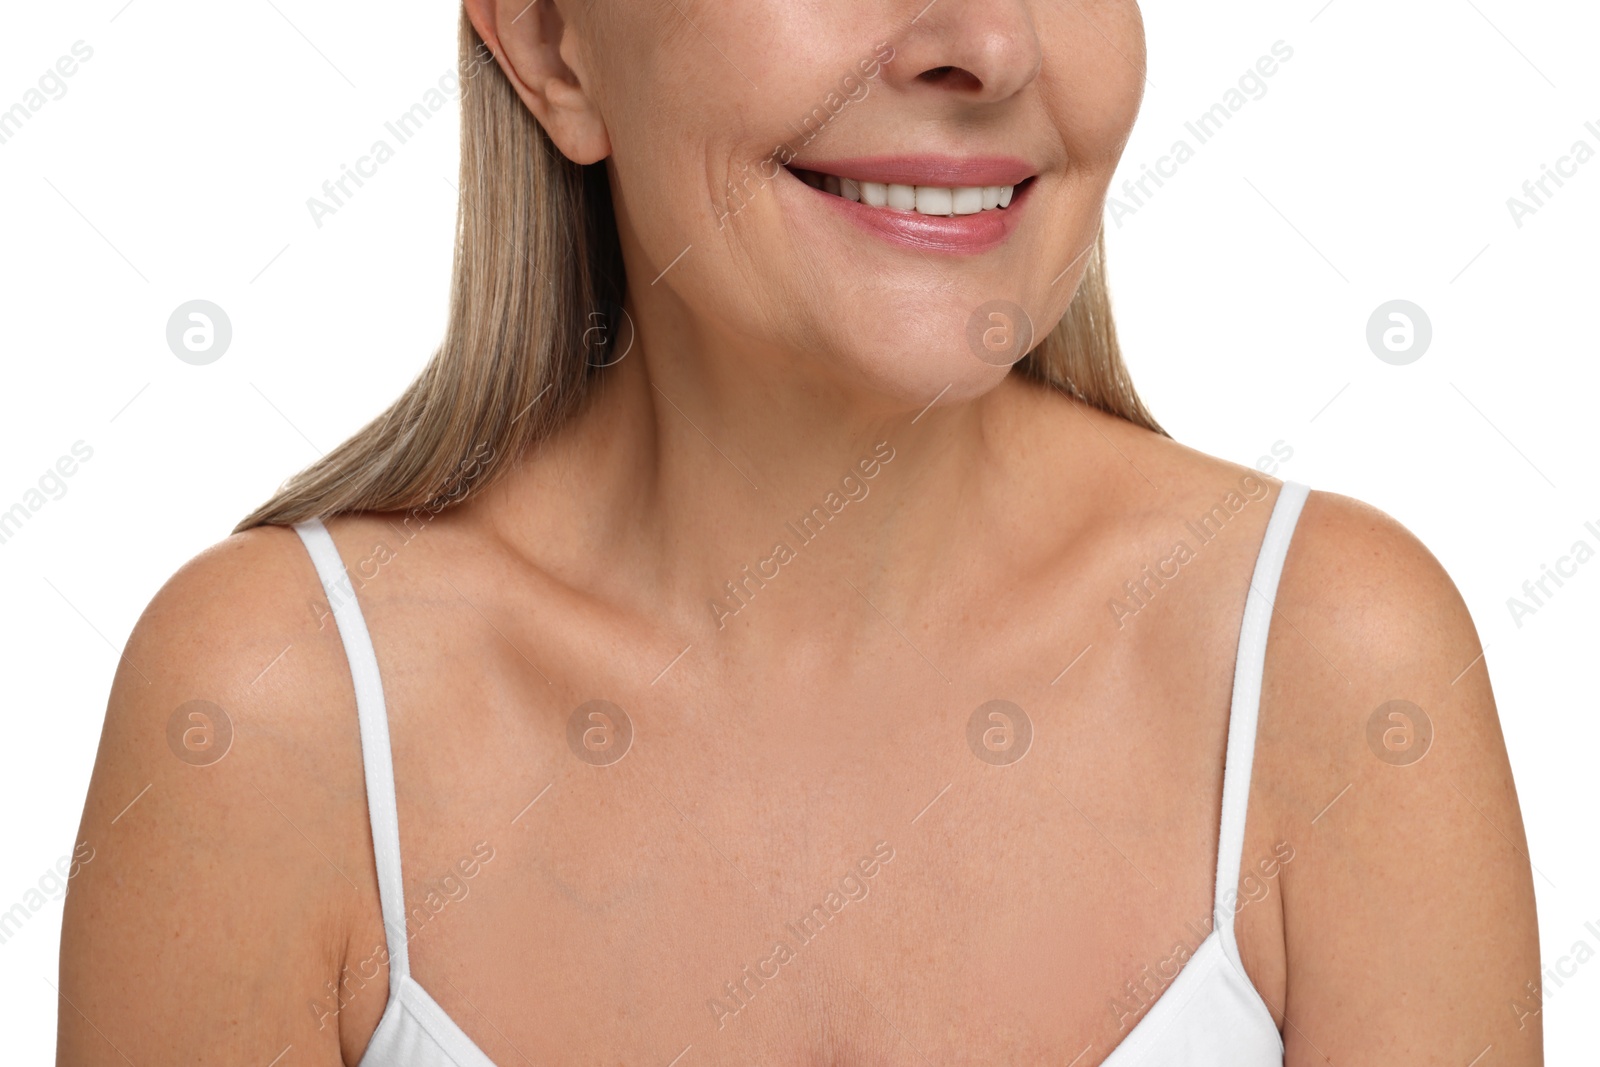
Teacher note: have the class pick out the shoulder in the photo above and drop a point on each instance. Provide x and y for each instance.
(1373, 659)
(1381, 760)
(1356, 585)
(241, 585)
(243, 625)
(234, 701)
(1367, 584)
(225, 813)
(1365, 611)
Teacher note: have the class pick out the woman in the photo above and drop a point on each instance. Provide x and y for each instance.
(751, 666)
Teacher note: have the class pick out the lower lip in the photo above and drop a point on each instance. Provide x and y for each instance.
(979, 232)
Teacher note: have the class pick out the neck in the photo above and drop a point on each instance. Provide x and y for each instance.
(705, 492)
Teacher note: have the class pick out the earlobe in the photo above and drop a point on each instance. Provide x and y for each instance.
(538, 51)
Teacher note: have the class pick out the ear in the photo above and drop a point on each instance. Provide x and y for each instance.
(539, 52)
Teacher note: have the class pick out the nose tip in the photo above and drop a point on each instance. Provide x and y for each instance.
(985, 50)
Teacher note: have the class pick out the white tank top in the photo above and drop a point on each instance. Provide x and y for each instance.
(1210, 1014)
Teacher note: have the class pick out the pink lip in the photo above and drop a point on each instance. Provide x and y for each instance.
(924, 170)
(959, 234)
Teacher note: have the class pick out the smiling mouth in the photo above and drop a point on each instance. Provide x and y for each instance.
(939, 201)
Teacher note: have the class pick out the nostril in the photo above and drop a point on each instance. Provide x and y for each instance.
(951, 77)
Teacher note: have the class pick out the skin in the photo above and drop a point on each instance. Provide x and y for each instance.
(774, 748)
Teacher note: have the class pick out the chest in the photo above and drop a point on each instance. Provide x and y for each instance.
(779, 875)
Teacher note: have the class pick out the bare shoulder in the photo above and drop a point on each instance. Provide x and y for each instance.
(224, 823)
(244, 628)
(1409, 921)
(1373, 583)
(1364, 612)
(1408, 928)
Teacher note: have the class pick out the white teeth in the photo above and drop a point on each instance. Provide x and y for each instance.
(964, 201)
(932, 200)
(936, 200)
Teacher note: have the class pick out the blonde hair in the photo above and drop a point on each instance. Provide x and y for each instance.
(537, 272)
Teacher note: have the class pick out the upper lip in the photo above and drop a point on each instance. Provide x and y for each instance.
(945, 171)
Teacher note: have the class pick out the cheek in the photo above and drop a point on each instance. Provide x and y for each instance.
(701, 122)
(1093, 81)
(692, 92)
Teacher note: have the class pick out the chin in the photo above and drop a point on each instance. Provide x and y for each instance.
(911, 368)
(954, 349)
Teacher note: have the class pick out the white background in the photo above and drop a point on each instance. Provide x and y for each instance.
(1377, 166)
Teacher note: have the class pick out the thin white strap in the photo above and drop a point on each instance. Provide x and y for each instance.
(1252, 658)
(376, 757)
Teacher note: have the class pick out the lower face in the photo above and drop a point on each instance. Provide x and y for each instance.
(862, 188)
